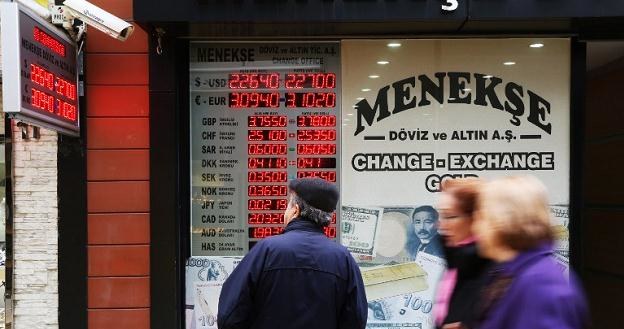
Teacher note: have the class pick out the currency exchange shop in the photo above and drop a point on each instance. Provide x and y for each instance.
(384, 98)
(386, 120)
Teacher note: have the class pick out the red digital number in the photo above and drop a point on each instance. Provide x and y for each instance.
(267, 163)
(316, 162)
(310, 80)
(267, 121)
(294, 81)
(65, 88)
(316, 121)
(265, 218)
(264, 232)
(266, 149)
(267, 204)
(253, 81)
(66, 110)
(310, 100)
(267, 135)
(323, 80)
(48, 41)
(267, 176)
(41, 77)
(329, 176)
(330, 231)
(316, 149)
(267, 190)
(316, 135)
(41, 100)
(253, 100)
(270, 80)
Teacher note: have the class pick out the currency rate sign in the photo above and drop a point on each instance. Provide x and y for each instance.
(270, 111)
(51, 93)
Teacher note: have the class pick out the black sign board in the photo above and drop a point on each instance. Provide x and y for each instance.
(39, 66)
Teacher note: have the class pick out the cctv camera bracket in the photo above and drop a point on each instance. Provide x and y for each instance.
(74, 15)
(60, 16)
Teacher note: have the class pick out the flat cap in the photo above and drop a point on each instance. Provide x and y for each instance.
(316, 192)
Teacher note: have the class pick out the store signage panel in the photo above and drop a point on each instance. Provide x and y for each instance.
(261, 114)
(39, 71)
(435, 110)
(313, 11)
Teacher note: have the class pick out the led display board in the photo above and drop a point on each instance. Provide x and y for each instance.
(39, 70)
(261, 114)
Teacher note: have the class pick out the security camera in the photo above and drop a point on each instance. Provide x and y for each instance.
(99, 18)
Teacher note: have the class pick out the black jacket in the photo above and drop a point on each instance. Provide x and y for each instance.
(297, 280)
(471, 276)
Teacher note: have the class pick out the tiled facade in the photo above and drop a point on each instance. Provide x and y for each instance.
(118, 177)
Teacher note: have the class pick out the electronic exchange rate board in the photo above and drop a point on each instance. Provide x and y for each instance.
(260, 115)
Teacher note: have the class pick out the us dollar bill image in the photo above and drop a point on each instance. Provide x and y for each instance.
(360, 227)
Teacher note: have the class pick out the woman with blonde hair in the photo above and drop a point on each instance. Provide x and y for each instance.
(525, 289)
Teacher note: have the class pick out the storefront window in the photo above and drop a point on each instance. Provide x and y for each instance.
(261, 114)
(387, 120)
(420, 111)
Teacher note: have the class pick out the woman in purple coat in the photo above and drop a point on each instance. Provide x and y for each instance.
(525, 289)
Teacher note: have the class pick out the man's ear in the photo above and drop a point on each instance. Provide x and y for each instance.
(297, 210)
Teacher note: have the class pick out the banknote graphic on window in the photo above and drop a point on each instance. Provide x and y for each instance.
(429, 110)
(204, 278)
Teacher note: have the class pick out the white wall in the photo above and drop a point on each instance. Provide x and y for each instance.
(35, 237)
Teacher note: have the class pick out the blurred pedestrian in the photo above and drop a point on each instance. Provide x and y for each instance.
(525, 288)
(459, 290)
(299, 279)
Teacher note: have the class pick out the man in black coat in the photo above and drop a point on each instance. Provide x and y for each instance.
(299, 279)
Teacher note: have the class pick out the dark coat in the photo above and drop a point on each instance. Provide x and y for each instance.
(297, 280)
(472, 272)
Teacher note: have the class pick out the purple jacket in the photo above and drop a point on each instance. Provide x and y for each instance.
(530, 292)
